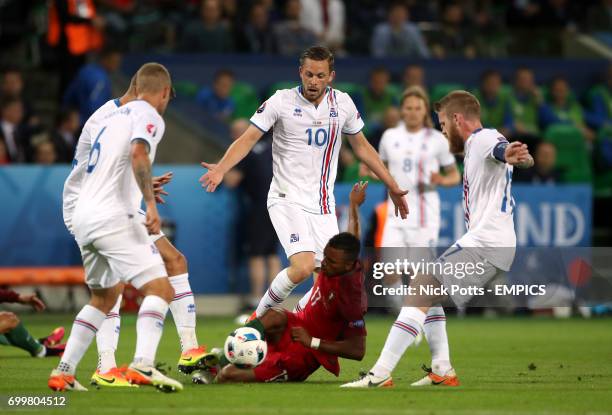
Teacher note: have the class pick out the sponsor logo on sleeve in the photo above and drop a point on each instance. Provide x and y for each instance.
(262, 108)
(152, 130)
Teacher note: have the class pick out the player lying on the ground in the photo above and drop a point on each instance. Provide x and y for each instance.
(490, 239)
(183, 305)
(13, 332)
(331, 325)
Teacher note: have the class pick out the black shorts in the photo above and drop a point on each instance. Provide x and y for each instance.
(261, 239)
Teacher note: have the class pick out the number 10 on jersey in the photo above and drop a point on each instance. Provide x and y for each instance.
(320, 136)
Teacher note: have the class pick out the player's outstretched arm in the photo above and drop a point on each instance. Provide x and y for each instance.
(10, 296)
(366, 153)
(33, 300)
(141, 165)
(352, 348)
(356, 199)
(236, 152)
(517, 154)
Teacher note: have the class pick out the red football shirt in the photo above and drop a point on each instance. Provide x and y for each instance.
(335, 311)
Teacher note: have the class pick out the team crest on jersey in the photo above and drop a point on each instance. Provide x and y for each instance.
(295, 237)
(152, 130)
(297, 112)
(333, 113)
(261, 108)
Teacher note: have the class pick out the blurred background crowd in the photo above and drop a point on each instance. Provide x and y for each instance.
(82, 42)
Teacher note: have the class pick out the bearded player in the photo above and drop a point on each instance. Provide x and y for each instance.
(416, 154)
(490, 240)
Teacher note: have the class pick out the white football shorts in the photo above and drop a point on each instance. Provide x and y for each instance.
(404, 242)
(301, 231)
(127, 255)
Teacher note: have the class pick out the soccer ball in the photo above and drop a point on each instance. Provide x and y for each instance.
(245, 348)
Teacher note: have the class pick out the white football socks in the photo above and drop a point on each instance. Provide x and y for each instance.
(84, 329)
(435, 333)
(149, 328)
(107, 338)
(183, 311)
(402, 334)
(279, 290)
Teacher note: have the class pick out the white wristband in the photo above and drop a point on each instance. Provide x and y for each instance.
(315, 343)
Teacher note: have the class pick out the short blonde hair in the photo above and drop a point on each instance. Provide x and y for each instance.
(152, 78)
(459, 102)
(418, 92)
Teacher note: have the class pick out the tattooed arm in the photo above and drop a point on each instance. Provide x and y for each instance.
(141, 166)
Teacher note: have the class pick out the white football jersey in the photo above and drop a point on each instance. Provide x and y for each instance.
(72, 185)
(412, 158)
(306, 143)
(109, 195)
(487, 199)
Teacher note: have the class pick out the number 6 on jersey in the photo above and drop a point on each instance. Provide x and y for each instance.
(94, 154)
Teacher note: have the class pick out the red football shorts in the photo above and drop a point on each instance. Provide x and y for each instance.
(287, 360)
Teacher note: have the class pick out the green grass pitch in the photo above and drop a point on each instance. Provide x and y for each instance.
(571, 372)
